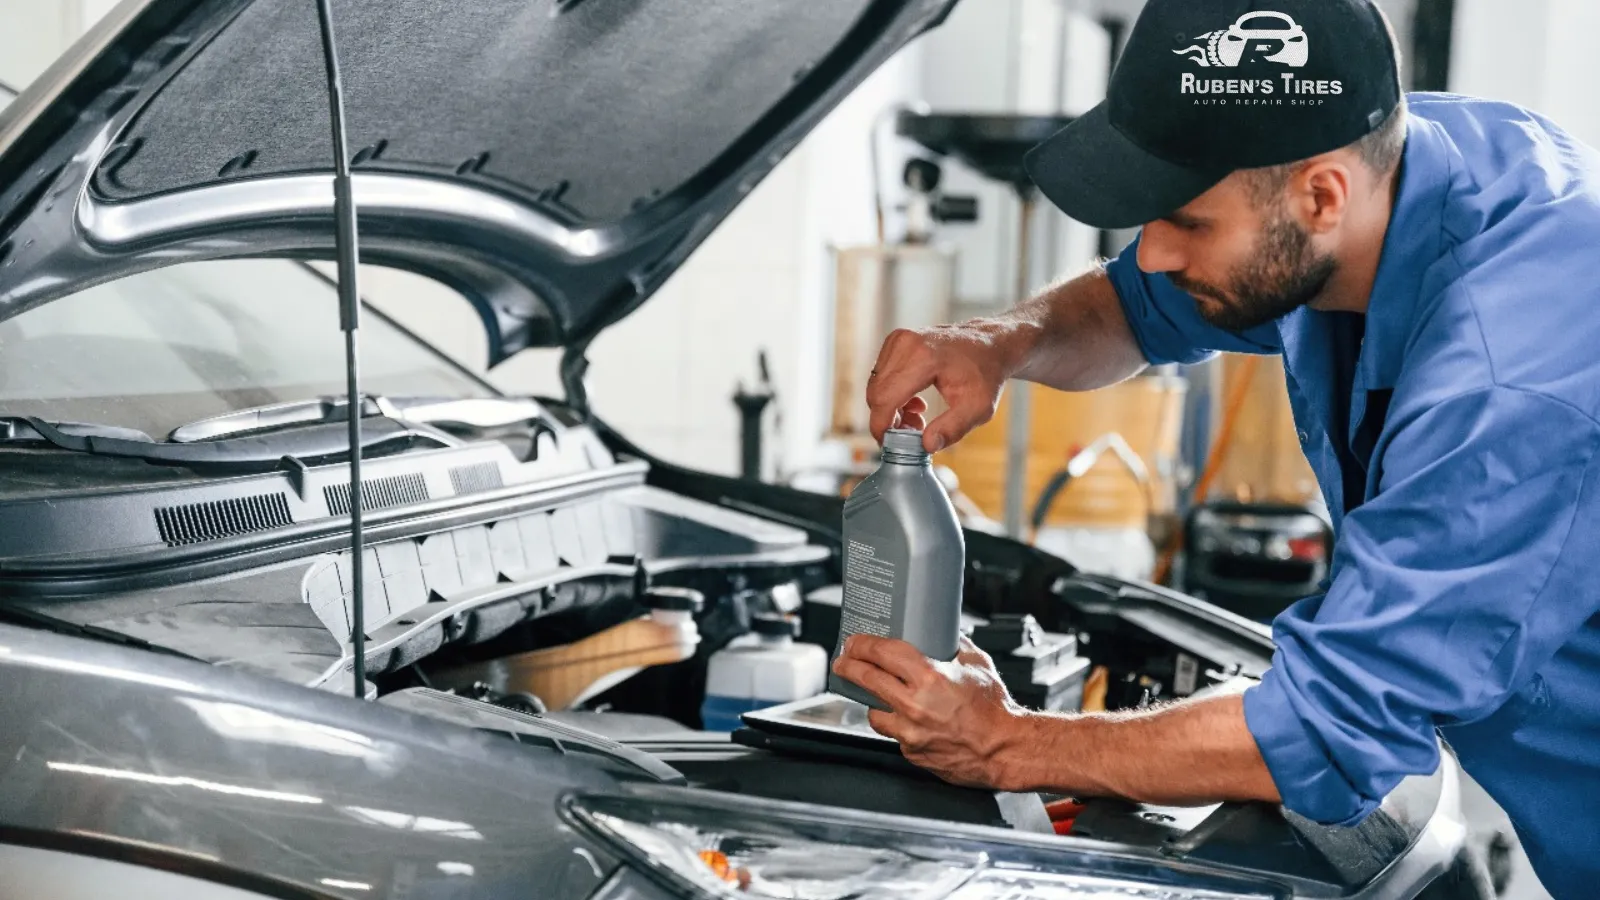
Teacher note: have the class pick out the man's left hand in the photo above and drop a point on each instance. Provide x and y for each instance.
(953, 719)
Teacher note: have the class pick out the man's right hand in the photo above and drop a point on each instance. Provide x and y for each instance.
(969, 366)
(1073, 337)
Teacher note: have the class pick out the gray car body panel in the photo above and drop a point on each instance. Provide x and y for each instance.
(112, 752)
(224, 776)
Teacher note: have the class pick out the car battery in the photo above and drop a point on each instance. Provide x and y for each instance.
(1255, 559)
(1041, 670)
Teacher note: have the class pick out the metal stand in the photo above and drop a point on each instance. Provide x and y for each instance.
(994, 146)
(1019, 423)
(751, 406)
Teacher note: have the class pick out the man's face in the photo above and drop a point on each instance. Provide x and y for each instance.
(1247, 263)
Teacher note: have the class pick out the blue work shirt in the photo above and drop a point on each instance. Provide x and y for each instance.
(1464, 593)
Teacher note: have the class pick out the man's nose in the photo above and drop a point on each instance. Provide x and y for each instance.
(1161, 249)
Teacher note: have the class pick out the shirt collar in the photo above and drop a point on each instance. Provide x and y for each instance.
(1411, 246)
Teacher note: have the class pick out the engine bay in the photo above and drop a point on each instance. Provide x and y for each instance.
(577, 597)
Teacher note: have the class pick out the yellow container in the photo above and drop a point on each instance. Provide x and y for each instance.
(564, 675)
(1147, 412)
(1265, 461)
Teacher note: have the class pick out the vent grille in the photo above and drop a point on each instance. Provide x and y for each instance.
(198, 522)
(476, 478)
(379, 493)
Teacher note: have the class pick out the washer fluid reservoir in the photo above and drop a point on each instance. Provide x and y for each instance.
(764, 668)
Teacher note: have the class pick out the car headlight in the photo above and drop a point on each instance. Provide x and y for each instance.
(729, 847)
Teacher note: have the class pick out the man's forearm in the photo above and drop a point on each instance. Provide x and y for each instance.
(1188, 753)
(1073, 337)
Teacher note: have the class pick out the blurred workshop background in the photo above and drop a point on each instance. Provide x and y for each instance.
(904, 210)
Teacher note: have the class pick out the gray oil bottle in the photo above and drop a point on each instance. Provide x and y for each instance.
(904, 555)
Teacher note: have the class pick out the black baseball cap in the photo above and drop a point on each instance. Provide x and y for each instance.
(1207, 87)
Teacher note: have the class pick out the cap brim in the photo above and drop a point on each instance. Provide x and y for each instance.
(1095, 175)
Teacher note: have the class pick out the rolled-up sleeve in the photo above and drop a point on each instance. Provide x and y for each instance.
(1451, 588)
(1167, 323)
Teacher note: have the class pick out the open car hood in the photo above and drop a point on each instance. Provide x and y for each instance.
(553, 160)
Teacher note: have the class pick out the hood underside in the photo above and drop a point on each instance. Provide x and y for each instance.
(553, 160)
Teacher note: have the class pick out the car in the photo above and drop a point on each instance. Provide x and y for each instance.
(1276, 36)
(181, 713)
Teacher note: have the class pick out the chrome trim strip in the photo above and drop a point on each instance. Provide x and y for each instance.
(111, 226)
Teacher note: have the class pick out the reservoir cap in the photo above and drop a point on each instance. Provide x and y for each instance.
(676, 599)
(768, 625)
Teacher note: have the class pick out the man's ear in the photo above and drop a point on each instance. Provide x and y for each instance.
(1319, 194)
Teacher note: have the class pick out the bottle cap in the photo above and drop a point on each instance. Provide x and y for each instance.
(904, 444)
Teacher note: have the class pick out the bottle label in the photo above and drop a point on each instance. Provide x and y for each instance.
(869, 591)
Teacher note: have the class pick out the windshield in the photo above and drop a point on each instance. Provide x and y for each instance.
(158, 350)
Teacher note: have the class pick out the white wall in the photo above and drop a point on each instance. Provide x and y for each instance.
(34, 32)
(32, 36)
(965, 67)
(1538, 53)
(1031, 57)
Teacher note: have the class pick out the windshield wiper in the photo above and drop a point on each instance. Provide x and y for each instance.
(478, 413)
(311, 445)
(260, 418)
(17, 428)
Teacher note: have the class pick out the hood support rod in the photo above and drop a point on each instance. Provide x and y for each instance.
(345, 248)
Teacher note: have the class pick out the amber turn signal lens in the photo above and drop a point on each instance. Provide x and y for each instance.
(717, 862)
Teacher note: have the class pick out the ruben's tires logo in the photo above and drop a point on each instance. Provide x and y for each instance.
(1261, 49)
(1258, 37)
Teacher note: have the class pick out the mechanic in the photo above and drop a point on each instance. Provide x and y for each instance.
(1426, 266)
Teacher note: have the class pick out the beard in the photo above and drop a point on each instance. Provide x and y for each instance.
(1283, 274)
